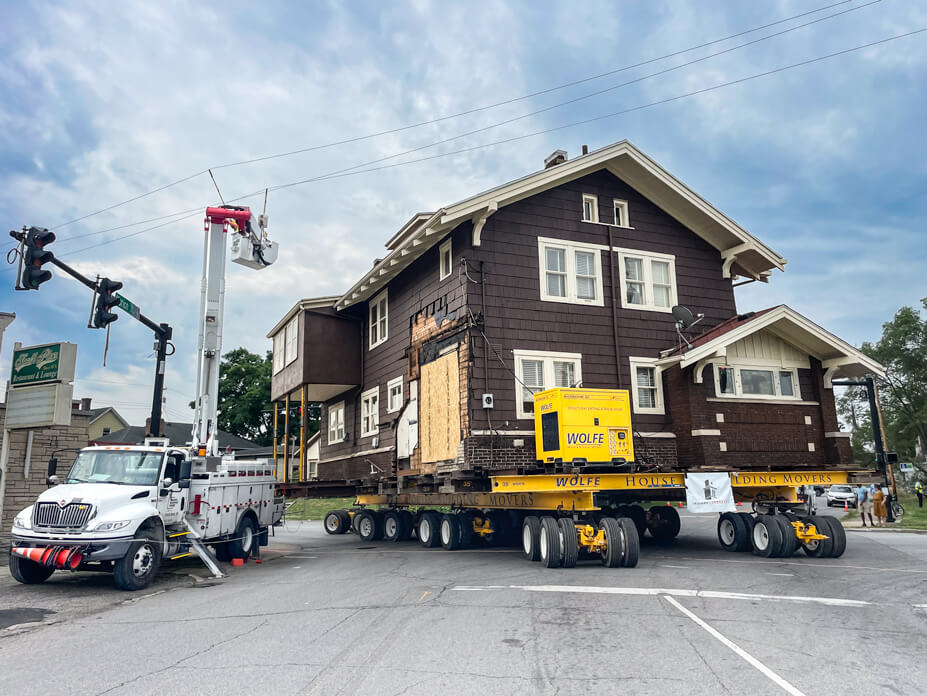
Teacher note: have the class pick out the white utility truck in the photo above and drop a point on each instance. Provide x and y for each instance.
(127, 507)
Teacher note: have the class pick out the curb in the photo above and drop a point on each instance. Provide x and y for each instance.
(889, 530)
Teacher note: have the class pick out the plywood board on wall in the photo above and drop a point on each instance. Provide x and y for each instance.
(439, 409)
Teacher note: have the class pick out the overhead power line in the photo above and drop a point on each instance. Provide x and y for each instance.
(467, 112)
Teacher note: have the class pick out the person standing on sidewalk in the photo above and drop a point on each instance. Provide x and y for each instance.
(919, 489)
(878, 506)
(864, 504)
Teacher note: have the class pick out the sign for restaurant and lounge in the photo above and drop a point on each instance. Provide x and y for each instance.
(41, 391)
(53, 362)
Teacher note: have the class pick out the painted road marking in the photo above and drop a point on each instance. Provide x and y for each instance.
(785, 575)
(424, 594)
(654, 591)
(786, 686)
(816, 566)
(673, 566)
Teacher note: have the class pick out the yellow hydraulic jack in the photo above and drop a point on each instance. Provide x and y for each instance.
(807, 532)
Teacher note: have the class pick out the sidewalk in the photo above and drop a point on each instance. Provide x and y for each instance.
(856, 525)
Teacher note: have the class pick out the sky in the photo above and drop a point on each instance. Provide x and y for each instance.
(102, 102)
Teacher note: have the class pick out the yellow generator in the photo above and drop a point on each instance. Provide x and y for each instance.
(583, 425)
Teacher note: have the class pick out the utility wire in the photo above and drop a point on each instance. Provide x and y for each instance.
(354, 171)
(450, 116)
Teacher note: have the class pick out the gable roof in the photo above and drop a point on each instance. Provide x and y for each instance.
(835, 354)
(178, 433)
(308, 303)
(96, 413)
(744, 254)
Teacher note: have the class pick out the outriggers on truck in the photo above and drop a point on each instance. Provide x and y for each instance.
(127, 508)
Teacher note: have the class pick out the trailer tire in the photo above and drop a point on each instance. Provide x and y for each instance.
(639, 516)
(392, 526)
(246, 536)
(732, 532)
(407, 521)
(466, 529)
(549, 543)
(337, 522)
(790, 542)
(429, 535)
(28, 572)
(663, 523)
(632, 542)
(838, 534)
(502, 528)
(613, 553)
(767, 537)
(819, 548)
(369, 525)
(568, 542)
(138, 567)
(530, 537)
(450, 532)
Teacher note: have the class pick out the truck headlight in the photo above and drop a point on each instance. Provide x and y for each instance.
(111, 526)
(22, 521)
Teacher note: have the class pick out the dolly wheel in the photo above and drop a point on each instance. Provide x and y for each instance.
(767, 537)
(337, 522)
(392, 526)
(732, 532)
(530, 538)
(613, 553)
(428, 532)
(790, 542)
(549, 546)
(631, 541)
(568, 542)
(837, 533)
(450, 532)
(819, 548)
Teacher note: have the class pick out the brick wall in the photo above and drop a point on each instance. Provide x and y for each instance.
(18, 491)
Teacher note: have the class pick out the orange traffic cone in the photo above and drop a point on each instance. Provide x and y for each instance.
(739, 504)
(845, 508)
(680, 503)
(30, 554)
(238, 562)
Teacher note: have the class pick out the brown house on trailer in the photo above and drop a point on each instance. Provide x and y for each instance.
(426, 367)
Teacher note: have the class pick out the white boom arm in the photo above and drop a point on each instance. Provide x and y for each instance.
(249, 249)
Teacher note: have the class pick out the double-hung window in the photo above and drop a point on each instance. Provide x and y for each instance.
(540, 370)
(292, 340)
(756, 382)
(370, 412)
(394, 395)
(336, 423)
(445, 259)
(377, 320)
(648, 280)
(621, 213)
(570, 271)
(646, 386)
(279, 342)
(590, 208)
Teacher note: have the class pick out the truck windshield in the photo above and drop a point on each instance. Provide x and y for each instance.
(116, 466)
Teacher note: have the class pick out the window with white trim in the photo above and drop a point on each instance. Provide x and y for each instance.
(540, 370)
(291, 341)
(377, 319)
(370, 412)
(590, 208)
(394, 395)
(646, 386)
(445, 259)
(570, 271)
(648, 280)
(279, 350)
(336, 423)
(757, 382)
(621, 213)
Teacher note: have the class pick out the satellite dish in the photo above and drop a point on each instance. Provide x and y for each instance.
(683, 316)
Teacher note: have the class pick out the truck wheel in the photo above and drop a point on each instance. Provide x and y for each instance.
(767, 537)
(568, 542)
(428, 534)
(639, 516)
(466, 530)
(337, 522)
(789, 540)
(819, 548)
(614, 548)
(223, 552)
(450, 532)
(549, 546)
(732, 532)
(242, 544)
(28, 572)
(632, 542)
(663, 523)
(138, 567)
(837, 534)
(369, 525)
(501, 526)
(530, 538)
(392, 526)
(408, 524)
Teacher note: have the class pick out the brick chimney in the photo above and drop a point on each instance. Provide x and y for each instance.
(554, 158)
(85, 404)
(150, 432)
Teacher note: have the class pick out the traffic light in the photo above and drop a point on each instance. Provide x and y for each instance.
(106, 300)
(37, 238)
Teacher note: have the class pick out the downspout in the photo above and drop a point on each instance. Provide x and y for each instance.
(614, 301)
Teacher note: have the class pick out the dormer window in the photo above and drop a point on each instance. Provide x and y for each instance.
(590, 208)
(621, 213)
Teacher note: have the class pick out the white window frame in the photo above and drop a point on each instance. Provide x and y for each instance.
(382, 321)
(291, 341)
(594, 207)
(660, 407)
(761, 365)
(336, 410)
(547, 371)
(365, 412)
(395, 382)
(646, 257)
(445, 247)
(570, 248)
(279, 350)
(622, 217)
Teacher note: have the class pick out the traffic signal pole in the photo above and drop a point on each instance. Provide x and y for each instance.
(163, 334)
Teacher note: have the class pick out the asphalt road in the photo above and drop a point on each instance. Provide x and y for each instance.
(332, 615)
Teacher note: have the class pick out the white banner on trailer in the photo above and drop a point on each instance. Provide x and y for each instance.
(709, 492)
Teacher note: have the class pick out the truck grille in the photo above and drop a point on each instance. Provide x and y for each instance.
(52, 515)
